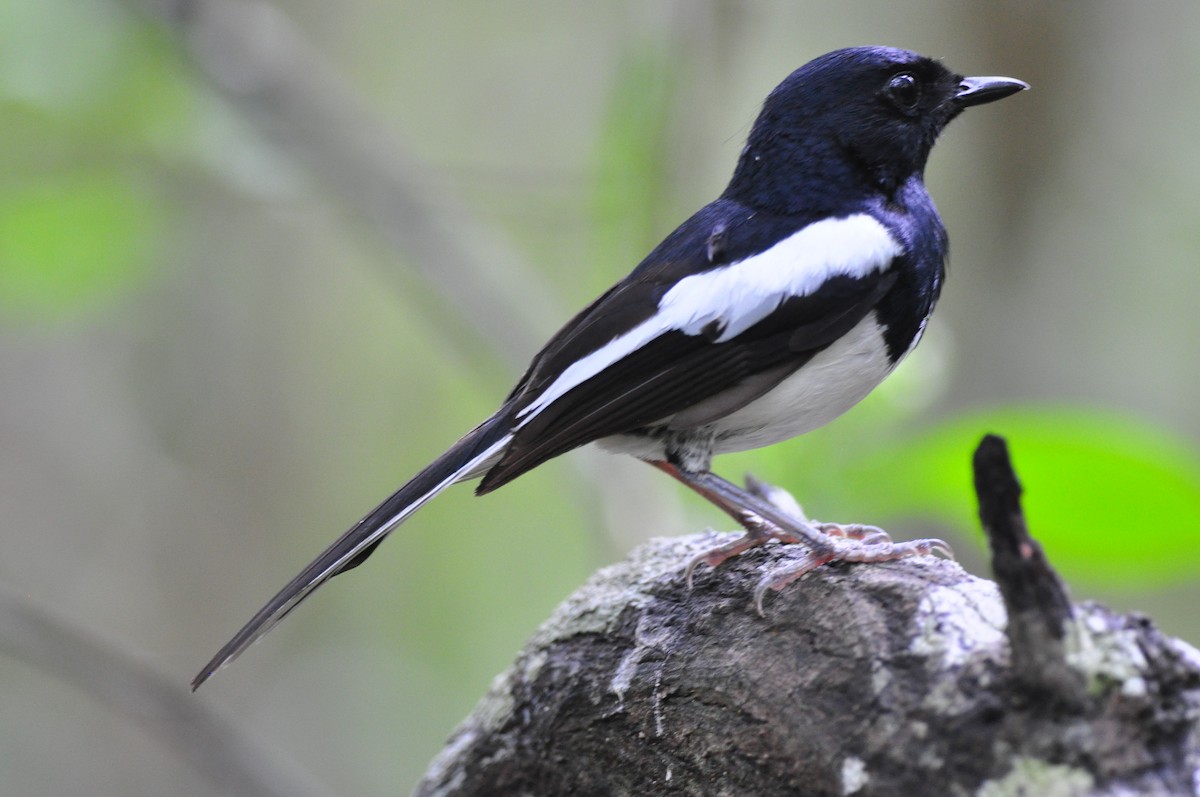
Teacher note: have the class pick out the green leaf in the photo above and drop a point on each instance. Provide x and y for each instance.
(1113, 500)
(69, 243)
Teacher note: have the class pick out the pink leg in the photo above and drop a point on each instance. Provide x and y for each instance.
(757, 511)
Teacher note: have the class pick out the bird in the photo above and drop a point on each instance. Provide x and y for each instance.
(768, 313)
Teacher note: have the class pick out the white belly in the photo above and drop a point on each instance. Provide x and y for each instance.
(822, 389)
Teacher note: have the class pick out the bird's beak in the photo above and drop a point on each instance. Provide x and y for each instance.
(978, 90)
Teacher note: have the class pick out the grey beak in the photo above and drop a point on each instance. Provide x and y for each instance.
(978, 90)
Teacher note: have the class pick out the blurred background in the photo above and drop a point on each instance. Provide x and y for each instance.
(260, 262)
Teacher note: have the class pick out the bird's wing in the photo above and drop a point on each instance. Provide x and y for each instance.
(699, 339)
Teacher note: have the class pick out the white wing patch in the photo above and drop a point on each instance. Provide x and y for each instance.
(739, 295)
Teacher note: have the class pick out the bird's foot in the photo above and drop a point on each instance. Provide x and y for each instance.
(822, 542)
(875, 547)
(867, 535)
(758, 532)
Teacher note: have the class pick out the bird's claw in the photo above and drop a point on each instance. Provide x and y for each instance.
(777, 579)
(758, 532)
(716, 556)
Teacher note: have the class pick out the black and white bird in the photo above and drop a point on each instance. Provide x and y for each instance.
(770, 312)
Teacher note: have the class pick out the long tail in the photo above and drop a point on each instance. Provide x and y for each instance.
(465, 459)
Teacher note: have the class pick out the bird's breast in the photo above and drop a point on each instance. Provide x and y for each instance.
(826, 386)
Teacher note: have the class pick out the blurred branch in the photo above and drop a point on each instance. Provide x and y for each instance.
(218, 751)
(257, 58)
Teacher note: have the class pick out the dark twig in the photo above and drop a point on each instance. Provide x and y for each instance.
(1036, 600)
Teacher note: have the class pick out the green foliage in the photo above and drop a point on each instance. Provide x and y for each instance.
(1113, 500)
(79, 219)
(70, 241)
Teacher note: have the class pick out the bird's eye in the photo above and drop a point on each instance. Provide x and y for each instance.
(904, 90)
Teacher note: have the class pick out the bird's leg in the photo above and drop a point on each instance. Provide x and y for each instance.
(739, 505)
(777, 497)
(757, 509)
(754, 510)
(787, 503)
(784, 500)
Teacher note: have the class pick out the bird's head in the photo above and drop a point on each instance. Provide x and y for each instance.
(863, 118)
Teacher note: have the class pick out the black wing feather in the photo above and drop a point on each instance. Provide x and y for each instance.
(683, 253)
(675, 371)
